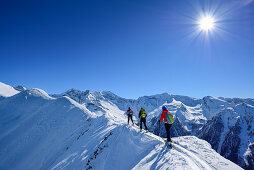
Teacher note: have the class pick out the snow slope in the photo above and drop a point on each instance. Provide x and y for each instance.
(42, 132)
(124, 147)
(227, 124)
(33, 126)
(6, 90)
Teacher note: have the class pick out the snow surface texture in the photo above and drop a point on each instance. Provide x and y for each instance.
(42, 132)
(227, 124)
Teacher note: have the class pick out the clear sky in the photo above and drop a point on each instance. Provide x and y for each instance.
(132, 48)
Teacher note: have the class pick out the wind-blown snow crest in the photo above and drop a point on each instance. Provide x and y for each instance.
(6, 90)
(38, 93)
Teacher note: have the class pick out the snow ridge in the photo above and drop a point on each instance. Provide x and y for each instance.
(6, 90)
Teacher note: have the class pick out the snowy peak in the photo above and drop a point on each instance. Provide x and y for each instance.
(82, 96)
(35, 129)
(20, 88)
(231, 131)
(93, 99)
(6, 90)
(35, 92)
(163, 96)
(76, 95)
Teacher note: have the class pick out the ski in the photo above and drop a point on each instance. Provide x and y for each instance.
(144, 131)
(170, 144)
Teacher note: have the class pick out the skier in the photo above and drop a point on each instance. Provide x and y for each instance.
(129, 113)
(168, 120)
(142, 116)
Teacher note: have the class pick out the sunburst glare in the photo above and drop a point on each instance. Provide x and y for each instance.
(206, 23)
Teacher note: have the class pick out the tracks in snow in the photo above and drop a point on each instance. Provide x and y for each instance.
(195, 159)
(179, 152)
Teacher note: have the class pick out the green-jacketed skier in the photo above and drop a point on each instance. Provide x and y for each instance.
(142, 115)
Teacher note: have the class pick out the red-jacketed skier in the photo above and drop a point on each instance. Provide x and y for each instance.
(168, 120)
(129, 113)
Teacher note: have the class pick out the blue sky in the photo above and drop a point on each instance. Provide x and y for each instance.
(132, 48)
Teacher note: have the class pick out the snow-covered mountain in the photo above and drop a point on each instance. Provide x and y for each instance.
(7, 91)
(39, 131)
(20, 88)
(231, 133)
(227, 124)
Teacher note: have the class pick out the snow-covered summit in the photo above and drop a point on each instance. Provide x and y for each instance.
(35, 92)
(6, 90)
(20, 88)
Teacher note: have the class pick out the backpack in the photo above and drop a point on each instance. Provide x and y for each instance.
(143, 113)
(169, 117)
(129, 112)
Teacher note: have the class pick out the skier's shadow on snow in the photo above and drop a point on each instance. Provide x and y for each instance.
(161, 155)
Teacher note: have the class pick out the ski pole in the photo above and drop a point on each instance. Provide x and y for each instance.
(159, 128)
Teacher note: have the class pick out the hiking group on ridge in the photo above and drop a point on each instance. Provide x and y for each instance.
(165, 115)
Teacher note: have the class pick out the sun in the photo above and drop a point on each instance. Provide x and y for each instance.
(206, 23)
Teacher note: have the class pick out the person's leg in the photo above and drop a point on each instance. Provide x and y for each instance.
(145, 123)
(132, 120)
(169, 132)
(167, 127)
(140, 123)
(128, 119)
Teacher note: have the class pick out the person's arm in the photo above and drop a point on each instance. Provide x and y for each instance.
(132, 111)
(127, 112)
(139, 114)
(162, 116)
